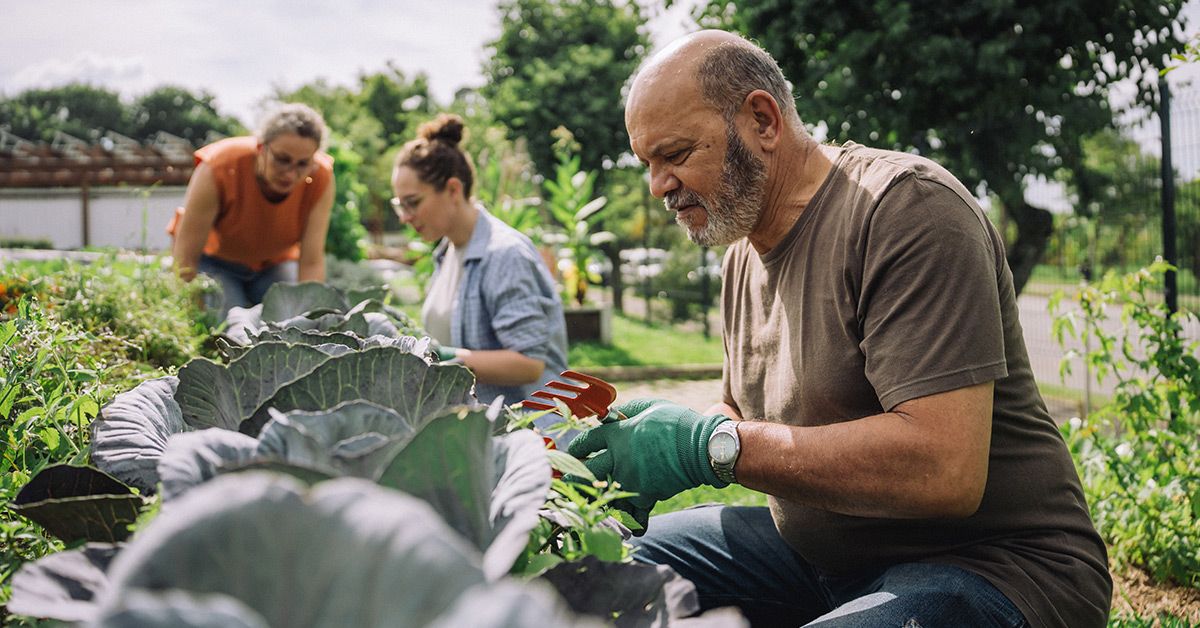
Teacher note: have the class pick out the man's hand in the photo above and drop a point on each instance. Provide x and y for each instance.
(659, 451)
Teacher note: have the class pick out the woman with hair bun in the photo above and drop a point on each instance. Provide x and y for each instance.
(257, 208)
(491, 303)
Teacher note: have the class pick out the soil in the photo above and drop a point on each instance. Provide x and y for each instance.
(1133, 591)
(1135, 594)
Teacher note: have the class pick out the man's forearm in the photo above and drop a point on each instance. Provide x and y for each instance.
(913, 463)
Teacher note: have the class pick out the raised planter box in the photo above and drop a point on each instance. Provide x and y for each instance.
(589, 323)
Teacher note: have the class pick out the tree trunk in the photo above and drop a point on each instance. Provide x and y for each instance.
(1034, 228)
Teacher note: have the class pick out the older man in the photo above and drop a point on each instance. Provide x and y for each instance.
(877, 386)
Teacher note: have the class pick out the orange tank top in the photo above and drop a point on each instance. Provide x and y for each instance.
(249, 229)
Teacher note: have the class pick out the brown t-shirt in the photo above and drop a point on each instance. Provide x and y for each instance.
(893, 285)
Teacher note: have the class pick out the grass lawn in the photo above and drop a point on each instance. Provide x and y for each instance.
(637, 344)
(733, 495)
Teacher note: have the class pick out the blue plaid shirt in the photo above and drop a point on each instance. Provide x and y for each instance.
(506, 300)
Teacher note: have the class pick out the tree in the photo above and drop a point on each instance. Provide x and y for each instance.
(995, 90)
(564, 63)
(88, 112)
(84, 111)
(1117, 189)
(370, 119)
(393, 99)
(181, 113)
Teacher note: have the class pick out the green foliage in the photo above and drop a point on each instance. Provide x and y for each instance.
(1139, 455)
(571, 204)
(488, 485)
(732, 495)
(26, 243)
(181, 113)
(563, 63)
(576, 528)
(64, 353)
(504, 183)
(1190, 54)
(1115, 190)
(153, 316)
(346, 238)
(87, 112)
(371, 120)
(84, 111)
(993, 90)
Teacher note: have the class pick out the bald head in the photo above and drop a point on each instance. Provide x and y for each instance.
(722, 66)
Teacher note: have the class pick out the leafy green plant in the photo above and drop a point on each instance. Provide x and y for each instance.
(570, 202)
(370, 556)
(156, 317)
(60, 362)
(317, 433)
(318, 307)
(347, 236)
(1139, 455)
(503, 184)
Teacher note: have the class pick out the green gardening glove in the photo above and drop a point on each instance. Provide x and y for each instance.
(659, 451)
(445, 353)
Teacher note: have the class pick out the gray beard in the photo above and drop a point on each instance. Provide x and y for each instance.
(737, 203)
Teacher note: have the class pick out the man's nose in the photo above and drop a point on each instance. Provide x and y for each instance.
(662, 180)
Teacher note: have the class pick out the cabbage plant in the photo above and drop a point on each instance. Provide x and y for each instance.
(317, 307)
(328, 477)
(263, 549)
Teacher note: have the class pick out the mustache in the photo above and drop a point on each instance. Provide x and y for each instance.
(678, 199)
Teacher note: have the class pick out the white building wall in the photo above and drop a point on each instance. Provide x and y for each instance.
(124, 217)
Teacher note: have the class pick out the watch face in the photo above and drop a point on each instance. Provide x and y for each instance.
(722, 448)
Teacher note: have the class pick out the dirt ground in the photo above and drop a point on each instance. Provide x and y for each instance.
(1133, 592)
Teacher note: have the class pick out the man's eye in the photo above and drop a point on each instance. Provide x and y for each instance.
(679, 156)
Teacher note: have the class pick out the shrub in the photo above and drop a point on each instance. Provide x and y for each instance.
(1139, 455)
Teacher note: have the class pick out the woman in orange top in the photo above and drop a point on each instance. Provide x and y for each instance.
(257, 208)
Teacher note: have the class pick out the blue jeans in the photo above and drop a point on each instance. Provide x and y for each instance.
(241, 286)
(735, 557)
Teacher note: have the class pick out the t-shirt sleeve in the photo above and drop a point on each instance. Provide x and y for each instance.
(929, 306)
(522, 311)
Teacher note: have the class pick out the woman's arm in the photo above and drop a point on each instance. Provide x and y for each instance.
(202, 204)
(503, 367)
(312, 243)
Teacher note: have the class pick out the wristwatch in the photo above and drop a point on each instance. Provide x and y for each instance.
(723, 449)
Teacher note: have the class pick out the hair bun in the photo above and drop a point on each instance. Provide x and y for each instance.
(447, 127)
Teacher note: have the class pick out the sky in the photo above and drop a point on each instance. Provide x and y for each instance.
(239, 51)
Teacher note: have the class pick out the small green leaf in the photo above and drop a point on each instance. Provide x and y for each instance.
(51, 437)
(539, 563)
(569, 465)
(603, 544)
(626, 519)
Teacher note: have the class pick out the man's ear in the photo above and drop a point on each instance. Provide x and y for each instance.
(768, 119)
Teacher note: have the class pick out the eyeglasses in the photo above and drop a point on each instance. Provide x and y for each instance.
(286, 164)
(406, 206)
